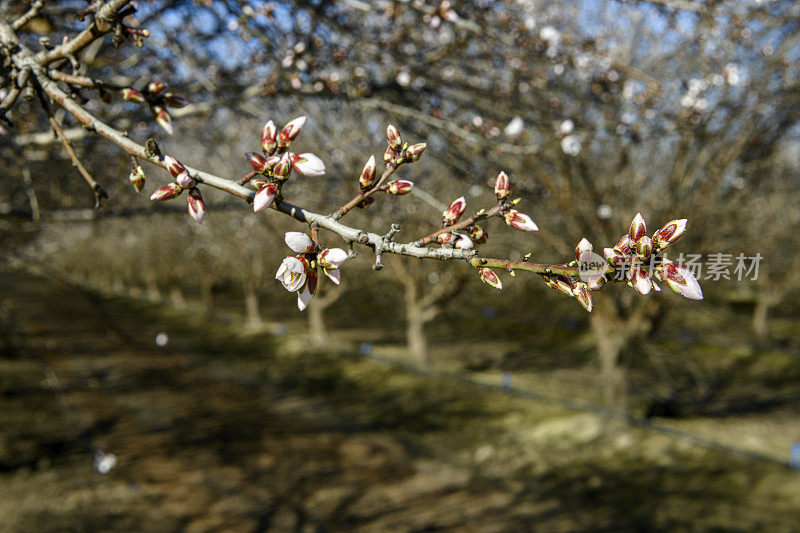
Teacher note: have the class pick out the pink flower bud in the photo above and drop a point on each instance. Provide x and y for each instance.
(681, 280)
(502, 186)
(167, 192)
(283, 168)
(137, 177)
(264, 197)
(393, 136)
(639, 279)
(197, 207)
(156, 87)
(582, 294)
(623, 244)
(269, 137)
(173, 100)
(637, 229)
(669, 233)
(615, 257)
(367, 178)
(454, 212)
(414, 152)
(174, 166)
(583, 251)
(331, 258)
(185, 180)
(596, 282)
(464, 243)
(163, 119)
(477, 234)
(399, 187)
(299, 242)
(291, 130)
(366, 202)
(258, 163)
(644, 247)
(490, 277)
(308, 164)
(132, 95)
(388, 155)
(519, 221)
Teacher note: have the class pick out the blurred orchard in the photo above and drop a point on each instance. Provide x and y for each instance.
(596, 111)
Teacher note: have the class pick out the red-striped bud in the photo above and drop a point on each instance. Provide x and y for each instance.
(502, 186)
(583, 251)
(637, 229)
(388, 155)
(283, 167)
(163, 119)
(644, 247)
(560, 283)
(623, 244)
(156, 87)
(367, 178)
(490, 277)
(519, 221)
(269, 136)
(132, 95)
(393, 137)
(639, 279)
(308, 164)
(264, 197)
(399, 187)
(414, 152)
(173, 100)
(137, 177)
(167, 192)
(174, 166)
(615, 257)
(582, 294)
(258, 183)
(291, 130)
(258, 163)
(454, 212)
(680, 279)
(669, 233)
(196, 205)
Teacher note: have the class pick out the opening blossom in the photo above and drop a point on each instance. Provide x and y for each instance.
(300, 273)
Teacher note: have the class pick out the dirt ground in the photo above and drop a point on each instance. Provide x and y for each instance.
(223, 430)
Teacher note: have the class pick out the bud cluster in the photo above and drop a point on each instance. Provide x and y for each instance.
(157, 99)
(399, 152)
(277, 163)
(183, 180)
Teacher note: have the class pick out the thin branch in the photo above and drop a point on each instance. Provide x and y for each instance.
(388, 171)
(480, 215)
(34, 10)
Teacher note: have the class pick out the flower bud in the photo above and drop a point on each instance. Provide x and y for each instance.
(185, 180)
(308, 164)
(163, 119)
(197, 207)
(561, 283)
(167, 192)
(174, 166)
(502, 186)
(444, 238)
(615, 257)
(367, 178)
(463, 242)
(399, 187)
(132, 95)
(669, 233)
(283, 168)
(291, 130)
(258, 163)
(623, 244)
(156, 87)
(366, 202)
(582, 294)
(269, 137)
(414, 152)
(454, 212)
(388, 155)
(490, 277)
(264, 197)
(258, 184)
(393, 137)
(137, 177)
(519, 221)
(331, 258)
(583, 251)
(173, 100)
(680, 279)
(639, 279)
(596, 282)
(637, 229)
(477, 234)
(644, 247)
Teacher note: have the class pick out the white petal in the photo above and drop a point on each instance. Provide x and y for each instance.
(299, 242)
(304, 298)
(281, 270)
(309, 165)
(334, 257)
(263, 198)
(335, 276)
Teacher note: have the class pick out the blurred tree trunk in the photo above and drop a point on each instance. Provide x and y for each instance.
(415, 326)
(153, 292)
(206, 292)
(251, 304)
(766, 299)
(615, 327)
(176, 296)
(325, 296)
